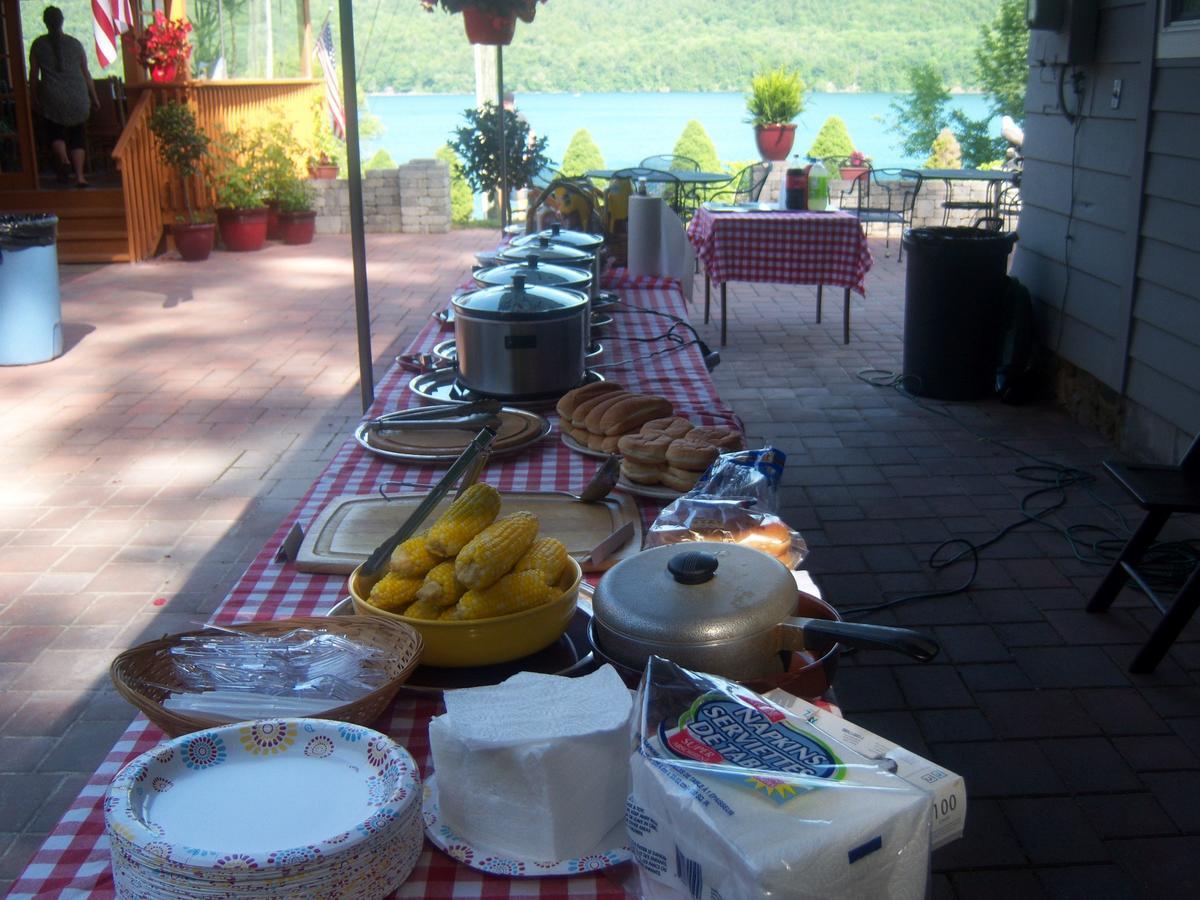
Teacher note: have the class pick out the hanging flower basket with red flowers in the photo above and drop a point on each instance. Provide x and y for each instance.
(488, 21)
(163, 47)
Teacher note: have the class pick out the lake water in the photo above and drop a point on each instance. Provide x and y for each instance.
(630, 127)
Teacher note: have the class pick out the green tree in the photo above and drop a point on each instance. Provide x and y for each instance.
(478, 146)
(833, 140)
(694, 143)
(945, 153)
(462, 200)
(381, 160)
(922, 114)
(582, 155)
(1001, 59)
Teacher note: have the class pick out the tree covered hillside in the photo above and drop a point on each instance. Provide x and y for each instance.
(677, 45)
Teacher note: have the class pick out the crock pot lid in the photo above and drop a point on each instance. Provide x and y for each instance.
(519, 298)
(544, 249)
(535, 272)
(695, 592)
(559, 235)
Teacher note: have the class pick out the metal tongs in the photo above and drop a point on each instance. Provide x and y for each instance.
(467, 466)
(467, 416)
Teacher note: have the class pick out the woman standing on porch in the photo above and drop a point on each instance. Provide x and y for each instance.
(64, 93)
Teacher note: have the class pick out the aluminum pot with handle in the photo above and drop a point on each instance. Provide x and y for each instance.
(548, 252)
(577, 240)
(517, 341)
(535, 272)
(724, 609)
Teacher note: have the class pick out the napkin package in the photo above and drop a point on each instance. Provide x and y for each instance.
(731, 796)
(534, 767)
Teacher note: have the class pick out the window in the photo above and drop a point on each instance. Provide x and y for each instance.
(1179, 33)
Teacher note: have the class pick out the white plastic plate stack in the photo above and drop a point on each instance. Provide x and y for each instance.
(278, 807)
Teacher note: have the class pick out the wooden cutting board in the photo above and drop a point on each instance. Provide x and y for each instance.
(352, 525)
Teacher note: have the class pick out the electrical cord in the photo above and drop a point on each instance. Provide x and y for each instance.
(1165, 565)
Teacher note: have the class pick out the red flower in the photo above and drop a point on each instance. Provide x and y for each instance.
(164, 43)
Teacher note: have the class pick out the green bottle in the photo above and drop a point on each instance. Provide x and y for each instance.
(818, 187)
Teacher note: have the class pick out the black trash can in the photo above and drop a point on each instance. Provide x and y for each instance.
(30, 308)
(953, 307)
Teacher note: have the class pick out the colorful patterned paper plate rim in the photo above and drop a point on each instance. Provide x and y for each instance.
(611, 850)
(265, 794)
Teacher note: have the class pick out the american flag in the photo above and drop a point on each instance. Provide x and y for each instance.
(109, 18)
(333, 96)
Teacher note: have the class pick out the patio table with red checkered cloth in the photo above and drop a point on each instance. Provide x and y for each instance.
(781, 247)
(75, 857)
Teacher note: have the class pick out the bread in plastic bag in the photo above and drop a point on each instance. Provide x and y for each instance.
(733, 796)
(734, 501)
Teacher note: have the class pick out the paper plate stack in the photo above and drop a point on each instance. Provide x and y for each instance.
(278, 807)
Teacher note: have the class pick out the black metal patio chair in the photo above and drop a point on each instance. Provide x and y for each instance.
(883, 195)
(745, 186)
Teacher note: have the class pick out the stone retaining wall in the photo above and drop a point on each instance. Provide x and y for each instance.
(414, 199)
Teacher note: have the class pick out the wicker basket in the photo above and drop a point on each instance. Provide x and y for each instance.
(143, 674)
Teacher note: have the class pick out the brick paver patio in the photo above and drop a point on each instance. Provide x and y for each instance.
(196, 403)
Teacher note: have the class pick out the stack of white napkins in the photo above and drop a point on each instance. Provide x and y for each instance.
(535, 767)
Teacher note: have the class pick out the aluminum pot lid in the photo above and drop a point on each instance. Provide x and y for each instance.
(559, 235)
(519, 301)
(535, 272)
(694, 593)
(549, 252)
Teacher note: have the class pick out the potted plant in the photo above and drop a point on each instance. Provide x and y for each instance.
(322, 153)
(297, 218)
(775, 99)
(478, 146)
(488, 21)
(163, 47)
(241, 194)
(276, 152)
(856, 165)
(182, 146)
(834, 147)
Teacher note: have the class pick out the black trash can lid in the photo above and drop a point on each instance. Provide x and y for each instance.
(948, 236)
(21, 230)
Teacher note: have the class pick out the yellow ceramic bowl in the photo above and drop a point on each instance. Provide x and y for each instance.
(481, 642)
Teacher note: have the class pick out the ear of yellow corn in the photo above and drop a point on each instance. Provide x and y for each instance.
(394, 592)
(495, 550)
(422, 609)
(467, 516)
(441, 588)
(548, 556)
(514, 592)
(413, 558)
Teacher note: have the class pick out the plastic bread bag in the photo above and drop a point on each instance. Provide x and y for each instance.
(734, 501)
(733, 796)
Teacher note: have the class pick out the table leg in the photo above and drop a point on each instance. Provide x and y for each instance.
(707, 295)
(723, 314)
(819, 290)
(846, 316)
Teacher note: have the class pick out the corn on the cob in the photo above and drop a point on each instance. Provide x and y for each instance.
(449, 614)
(495, 550)
(467, 516)
(413, 558)
(393, 592)
(548, 556)
(512, 593)
(422, 609)
(441, 588)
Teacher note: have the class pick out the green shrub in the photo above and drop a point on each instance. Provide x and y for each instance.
(381, 160)
(582, 155)
(694, 143)
(462, 200)
(181, 145)
(294, 195)
(833, 140)
(775, 97)
(946, 152)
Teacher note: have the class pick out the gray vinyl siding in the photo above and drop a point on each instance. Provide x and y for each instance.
(1122, 302)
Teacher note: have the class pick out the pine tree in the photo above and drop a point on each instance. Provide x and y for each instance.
(381, 160)
(832, 141)
(922, 114)
(694, 143)
(582, 155)
(462, 200)
(1001, 59)
(945, 152)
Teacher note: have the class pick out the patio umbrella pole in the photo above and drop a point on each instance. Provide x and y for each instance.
(358, 239)
(503, 145)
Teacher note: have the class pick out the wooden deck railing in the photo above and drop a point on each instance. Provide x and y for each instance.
(143, 175)
(228, 104)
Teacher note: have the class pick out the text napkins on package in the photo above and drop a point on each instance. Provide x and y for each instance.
(536, 766)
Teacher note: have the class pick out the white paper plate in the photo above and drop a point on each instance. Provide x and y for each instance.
(649, 491)
(611, 851)
(581, 448)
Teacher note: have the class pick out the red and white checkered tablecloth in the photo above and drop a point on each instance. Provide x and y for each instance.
(782, 247)
(74, 860)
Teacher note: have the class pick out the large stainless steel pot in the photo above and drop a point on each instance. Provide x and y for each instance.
(517, 341)
(535, 272)
(724, 609)
(548, 252)
(578, 240)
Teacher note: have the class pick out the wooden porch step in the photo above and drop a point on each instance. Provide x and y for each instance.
(91, 223)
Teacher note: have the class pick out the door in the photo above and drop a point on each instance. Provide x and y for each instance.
(17, 169)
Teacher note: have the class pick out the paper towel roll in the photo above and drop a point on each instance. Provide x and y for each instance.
(645, 235)
(677, 258)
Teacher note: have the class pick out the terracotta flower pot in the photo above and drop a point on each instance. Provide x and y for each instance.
(242, 229)
(323, 171)
(849, 173)
(194, 241)
(298, 227)
(774, 141)
(484, 28)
